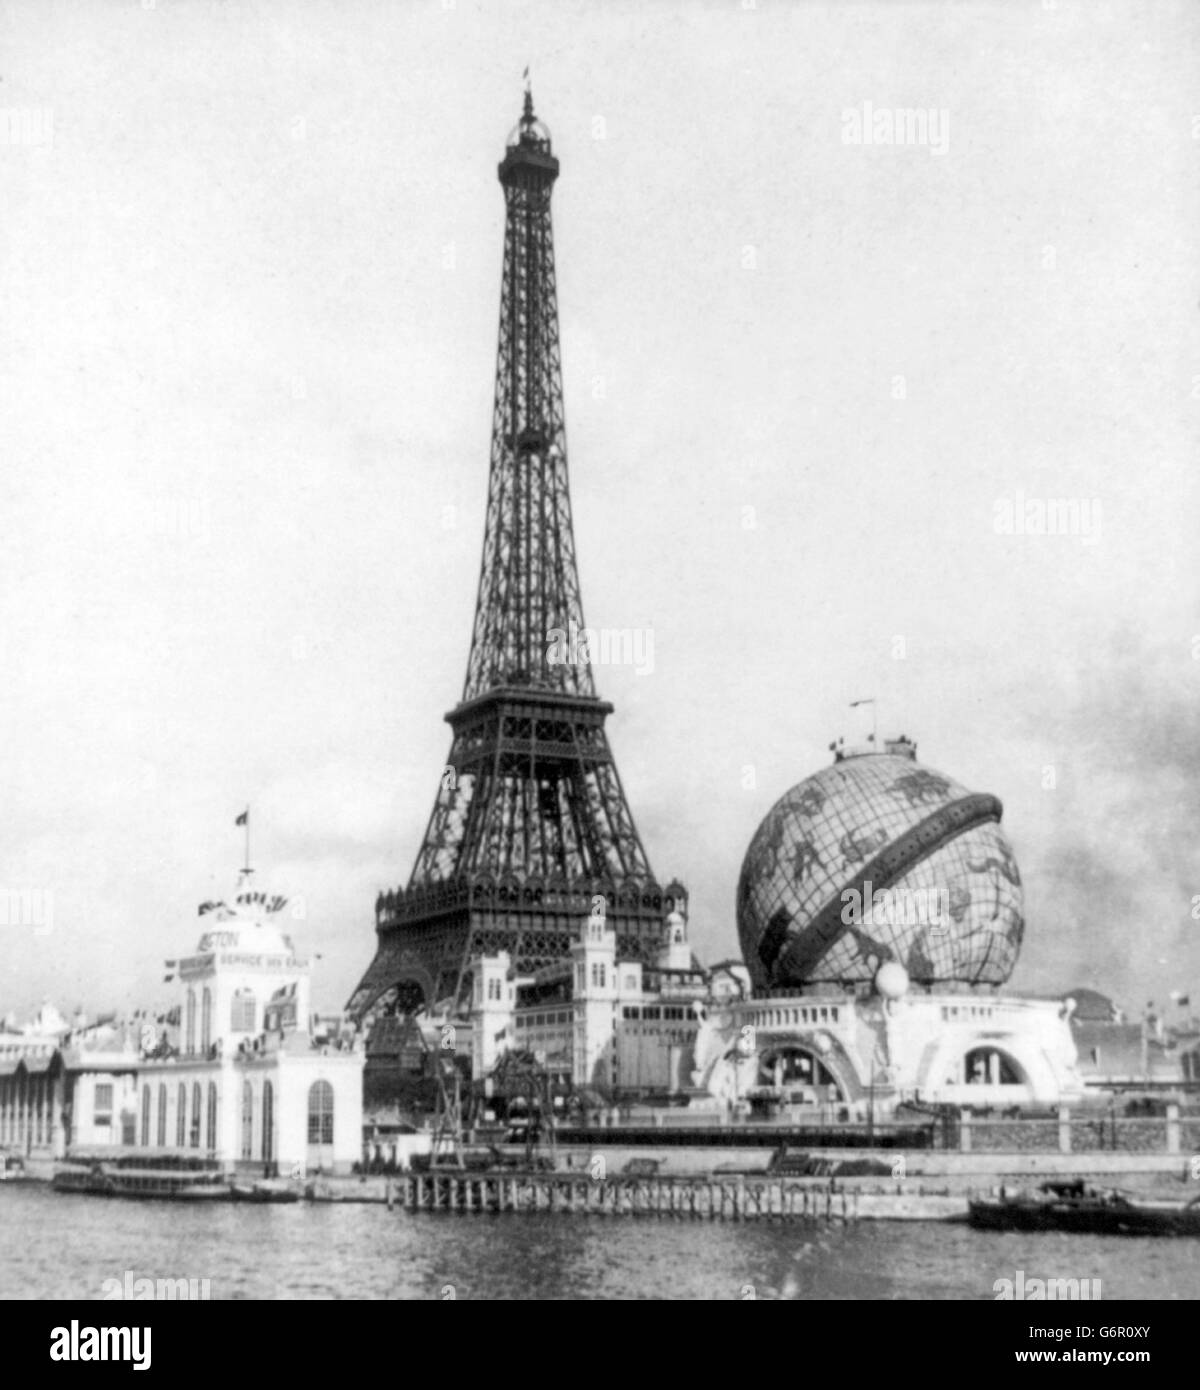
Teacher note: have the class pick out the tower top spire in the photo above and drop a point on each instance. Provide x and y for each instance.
(529, 142)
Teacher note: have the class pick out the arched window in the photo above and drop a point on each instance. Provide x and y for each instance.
(162, 1116)
(988, 1066)
(206, 1020)
(145, 1117)
(196, 1103)
(320, 1113)
(190, 1030)
(181, 1117)
(268, 1122)
(243, 1012)
(211, 1135)
(247, 1120)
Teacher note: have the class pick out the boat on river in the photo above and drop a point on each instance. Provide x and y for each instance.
(1079, 1207)
(155, 1177)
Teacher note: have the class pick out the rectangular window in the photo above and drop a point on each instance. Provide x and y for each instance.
(242, 1013)
(104, 1097)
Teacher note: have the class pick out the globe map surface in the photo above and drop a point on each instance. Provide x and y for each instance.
(884, 820)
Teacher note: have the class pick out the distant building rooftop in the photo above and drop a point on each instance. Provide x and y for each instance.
(1093, 1007)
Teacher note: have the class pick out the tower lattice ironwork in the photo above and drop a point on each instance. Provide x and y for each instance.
(531, 824)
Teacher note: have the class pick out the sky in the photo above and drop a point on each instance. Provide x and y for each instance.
(817, 390)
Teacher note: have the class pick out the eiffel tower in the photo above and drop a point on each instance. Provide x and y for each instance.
(530, 826)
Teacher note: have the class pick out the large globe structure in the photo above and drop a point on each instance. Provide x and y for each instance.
(875, 860)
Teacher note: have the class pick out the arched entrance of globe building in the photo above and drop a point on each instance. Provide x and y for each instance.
(988, 1065)
(799, 1075)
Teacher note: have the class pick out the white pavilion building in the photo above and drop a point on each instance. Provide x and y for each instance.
(248, 1083)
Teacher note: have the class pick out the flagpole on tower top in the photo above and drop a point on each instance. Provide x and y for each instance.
(244, 819)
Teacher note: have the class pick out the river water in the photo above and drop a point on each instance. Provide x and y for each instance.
(61, 1246)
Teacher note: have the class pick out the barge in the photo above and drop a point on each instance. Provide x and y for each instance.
(1081, 1208)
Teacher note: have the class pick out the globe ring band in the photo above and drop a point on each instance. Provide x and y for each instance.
(927, 836)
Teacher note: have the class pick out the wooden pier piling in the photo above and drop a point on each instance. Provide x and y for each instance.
(678, 1198)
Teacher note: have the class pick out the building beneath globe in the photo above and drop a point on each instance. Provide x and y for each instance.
(879, 910)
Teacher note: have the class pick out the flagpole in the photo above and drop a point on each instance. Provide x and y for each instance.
(874, 717)
(248, 868)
